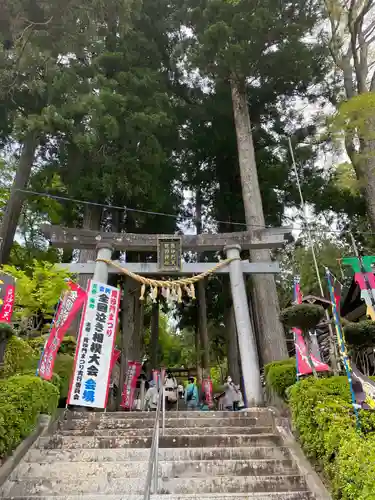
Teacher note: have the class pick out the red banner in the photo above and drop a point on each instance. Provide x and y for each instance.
(69, 306)
(7, 297)
(303, 365)
(207, 389)
(134, 370)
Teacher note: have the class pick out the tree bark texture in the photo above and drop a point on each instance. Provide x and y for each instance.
(270, 331)
(198, 358)
(155, 336)
(366, 168)
(127, 333)
(91, 220)
(232, 345)
(136, 348)
(14, 206)
(202, 305)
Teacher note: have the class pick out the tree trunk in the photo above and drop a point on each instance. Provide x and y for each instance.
(154, 341)
(91, 220)
(366, 167)
(202, 305)
(198, 358)
(271, 333)
(232, 344)
(14, 206)
(127, 333)
(138, 327)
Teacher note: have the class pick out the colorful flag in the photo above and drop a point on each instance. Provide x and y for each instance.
(94, 353)
(341, 342)
(115, 356)
(7, 297)
(365, 279)
(73, 300)
(364, 389)
(302, 361)
(130, 385)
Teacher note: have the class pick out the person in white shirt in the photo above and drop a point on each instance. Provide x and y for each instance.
(151, 398)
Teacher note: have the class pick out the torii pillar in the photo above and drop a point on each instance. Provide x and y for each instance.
(246, 337)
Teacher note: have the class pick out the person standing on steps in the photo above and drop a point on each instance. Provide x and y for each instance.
(170, 388)
(231, 397)
(151, 398)
(191, 395)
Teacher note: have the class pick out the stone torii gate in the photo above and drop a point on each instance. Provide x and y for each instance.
(170, 248)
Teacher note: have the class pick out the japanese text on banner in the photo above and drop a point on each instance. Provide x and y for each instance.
(7, 297)
(68, 308)
(130, 385)
(92, 367)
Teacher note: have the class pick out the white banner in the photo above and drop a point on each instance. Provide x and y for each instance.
(92, 363)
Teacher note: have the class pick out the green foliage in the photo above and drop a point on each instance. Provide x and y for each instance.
(6, 331)
(280, 375)
(354, 116)
(64, 369)
(22, 358)
(360, 335)
(68, 345)
(303, 316)
(22, 399)
(19, 357)
(323, 417)
(356, 468)
(37, 293)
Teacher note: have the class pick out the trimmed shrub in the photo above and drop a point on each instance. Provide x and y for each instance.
(64, 369)
(22, 399)
(68, 345)
(19, 357)
(355, 478)
(280, 375)
(303, 316)
(37, 343)
(324, 419)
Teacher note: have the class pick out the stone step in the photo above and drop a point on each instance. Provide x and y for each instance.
(148, 423)
(143, 454)
(94, 415)
(97, 484)
(182, 441)
(192, 431)
(298, 495)
(63, 471)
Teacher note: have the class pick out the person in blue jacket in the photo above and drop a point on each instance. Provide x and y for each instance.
(191, 394)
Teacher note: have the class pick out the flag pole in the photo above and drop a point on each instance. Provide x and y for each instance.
(312, 248)
(344, 354)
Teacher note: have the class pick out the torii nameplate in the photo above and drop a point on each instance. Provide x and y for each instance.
(61, 237)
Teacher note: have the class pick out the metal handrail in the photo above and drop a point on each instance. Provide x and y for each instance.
(152, 471)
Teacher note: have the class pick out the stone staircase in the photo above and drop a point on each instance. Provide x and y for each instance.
(208, 455)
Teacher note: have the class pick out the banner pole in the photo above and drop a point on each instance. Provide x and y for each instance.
(344, 354)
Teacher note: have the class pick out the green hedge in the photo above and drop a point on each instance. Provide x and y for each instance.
(68, 345)
(323, 417)
(22, 399)
(280, 375)
(21, 358)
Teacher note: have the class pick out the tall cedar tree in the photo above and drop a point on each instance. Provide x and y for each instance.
(240, 42)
